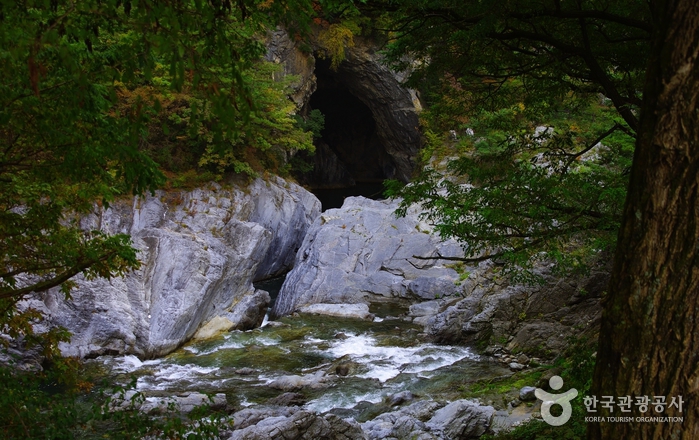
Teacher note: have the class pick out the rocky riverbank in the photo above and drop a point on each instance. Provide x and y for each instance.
(362, 253)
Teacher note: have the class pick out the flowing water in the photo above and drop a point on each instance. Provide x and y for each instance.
(361, 362)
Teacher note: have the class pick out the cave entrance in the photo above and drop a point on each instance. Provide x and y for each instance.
(350, 158)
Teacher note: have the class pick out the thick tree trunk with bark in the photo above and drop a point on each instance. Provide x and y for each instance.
(649, 340)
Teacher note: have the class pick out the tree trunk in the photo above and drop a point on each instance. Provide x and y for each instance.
(649, 339)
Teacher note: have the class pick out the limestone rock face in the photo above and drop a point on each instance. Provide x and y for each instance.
(362, 253)
(200, 252)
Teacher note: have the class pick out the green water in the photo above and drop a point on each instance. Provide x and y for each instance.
(361, 362)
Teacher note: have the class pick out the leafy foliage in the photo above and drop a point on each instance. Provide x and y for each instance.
(522, 193)
(335, 39)
(272, 130)
(185, 136)
(551, 48)
(82, 89)
(89, 93)
(544, 99)
(45, 406)
(314, 123)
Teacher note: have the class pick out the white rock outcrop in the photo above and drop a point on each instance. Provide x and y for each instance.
(201, 250)
(363, 253)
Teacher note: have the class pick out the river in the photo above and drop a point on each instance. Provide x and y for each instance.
(351, 366)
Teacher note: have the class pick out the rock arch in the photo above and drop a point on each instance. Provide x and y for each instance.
(372, 127)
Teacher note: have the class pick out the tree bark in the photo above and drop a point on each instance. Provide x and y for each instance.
(649, 339)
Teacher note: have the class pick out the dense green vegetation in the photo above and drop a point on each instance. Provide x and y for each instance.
(101, 98)
(106, 98)
(544, 101)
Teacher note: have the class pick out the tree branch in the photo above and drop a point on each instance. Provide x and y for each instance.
(55, 281)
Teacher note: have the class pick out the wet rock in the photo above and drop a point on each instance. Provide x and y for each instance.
(422, 312)
(516, 366)
(461, 419)
(183, 404)
(295, 382)
(491, 350)
(523, 359)
(216, 326)
(526, 394)
(356, 311)
(342, 370)
(400, 398)
(288, 399)
(247, 314)
(250, 311)
(300, 425)
(407, 422)
(251, 416)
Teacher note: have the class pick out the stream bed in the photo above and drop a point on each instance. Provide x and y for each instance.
(344, 366)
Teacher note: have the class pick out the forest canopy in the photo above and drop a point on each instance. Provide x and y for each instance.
(100, 98)
(541, 100)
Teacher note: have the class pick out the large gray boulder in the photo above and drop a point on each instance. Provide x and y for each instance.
(429, 420)
(363, 253)
(200, 251)
(292, 424)
(461, 419)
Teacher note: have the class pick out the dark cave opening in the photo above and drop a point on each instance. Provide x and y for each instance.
(350, 152)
